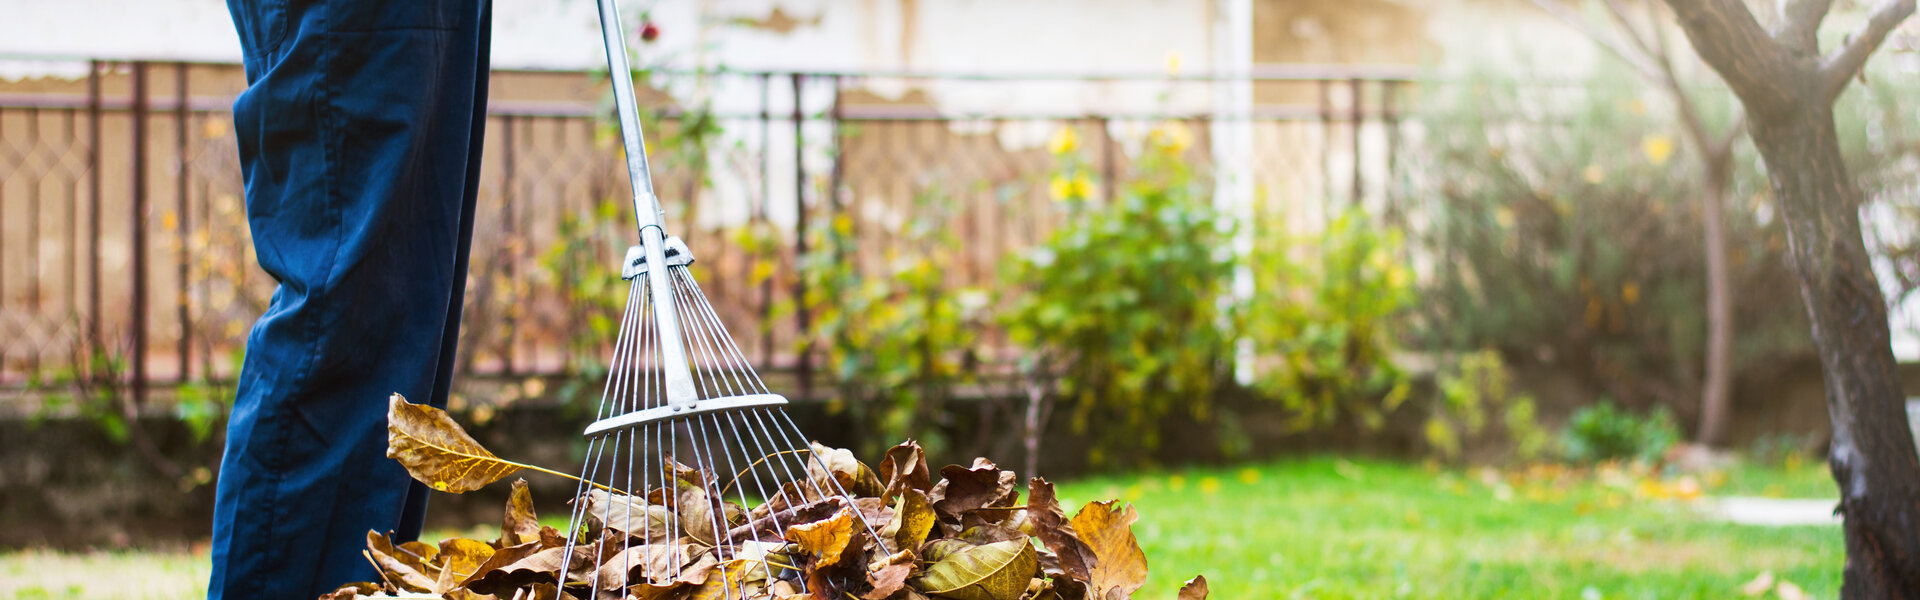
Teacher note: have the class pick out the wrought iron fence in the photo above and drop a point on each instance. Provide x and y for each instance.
(125, 255)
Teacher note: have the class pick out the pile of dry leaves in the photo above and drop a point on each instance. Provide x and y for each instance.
(905, 536)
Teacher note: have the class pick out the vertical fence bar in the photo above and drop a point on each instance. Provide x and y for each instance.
(93, 212)
(1358, 118)
(766, 200)
(1390, 117)
(137, 222)
(802, 315)
(505, 254)
(1325, 87)
(181, 215)
(33, 226)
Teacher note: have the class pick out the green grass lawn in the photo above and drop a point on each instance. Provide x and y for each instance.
(1339, 528)
(1322, 528)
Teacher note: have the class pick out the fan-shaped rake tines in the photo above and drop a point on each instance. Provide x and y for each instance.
(694, 471)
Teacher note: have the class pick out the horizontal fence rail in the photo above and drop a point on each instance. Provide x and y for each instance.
(125, 258)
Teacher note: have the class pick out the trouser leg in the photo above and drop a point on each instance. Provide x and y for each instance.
(359, 135)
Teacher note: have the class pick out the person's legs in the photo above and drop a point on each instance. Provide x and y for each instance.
(360, 139)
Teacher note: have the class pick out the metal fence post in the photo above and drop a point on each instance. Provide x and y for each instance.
(1358, 118)
(181, 215)
(802, 314)
(507, 254)
(137, 221)
(760, 215)
(94, 345)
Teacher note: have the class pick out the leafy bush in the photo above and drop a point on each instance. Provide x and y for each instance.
(1324, 326)
(1471, 389)
(898, 341)
(1602, 431)
(1562, 229)
(1125, 300)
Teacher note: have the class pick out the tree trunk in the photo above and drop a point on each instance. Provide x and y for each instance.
(1715, 408)
(1872, 456)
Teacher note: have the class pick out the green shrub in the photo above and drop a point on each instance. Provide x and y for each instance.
(1471, 389)
(1562, 227)
(1124, 303)
(1603, 431)
(897, 341)
(1323, 326)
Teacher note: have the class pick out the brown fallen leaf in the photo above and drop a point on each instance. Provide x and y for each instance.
(436, 451)
(1195, 589)
(1051, 526)
(1120, 565)
(519, 525)
(827, 538)
(459, 558)
(963, 571)
(408, 568)
(502, 558)
(905, 467)
(632, 516)
(848, 472)
(888, 575)
(971, 488)
(912, 520)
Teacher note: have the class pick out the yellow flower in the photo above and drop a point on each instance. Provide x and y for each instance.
(1209, 485)
(1173, 63)
(1077, 186)
(1249, 475)
(1176, 483)
(1594, 174)
(1657, 148)
(1630, 293)
(1064, 141)
(1172, 136)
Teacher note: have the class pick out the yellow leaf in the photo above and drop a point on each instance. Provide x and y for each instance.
(436, 451)
(963, 571)
(1109, 532)
(1657, 147)
(827, 538)
(459, 559)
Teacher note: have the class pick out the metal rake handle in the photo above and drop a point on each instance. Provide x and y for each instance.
(646, 206)
(647, 214)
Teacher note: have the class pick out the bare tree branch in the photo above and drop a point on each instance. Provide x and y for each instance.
(1728, 38)
(1840, 66)
(1635, 58)
(1800, 24)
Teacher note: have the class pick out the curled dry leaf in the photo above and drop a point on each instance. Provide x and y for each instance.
(631, 515)
(436, 451)
(912, 520)
(1195, 589)
(969, 489)
(406, 567)
(963, 571)
(519, 525)
(1120, 564)
(1051, 526)
(459, 558)
(826, 539)
(888, 575)
(905, 468)
(848, 472)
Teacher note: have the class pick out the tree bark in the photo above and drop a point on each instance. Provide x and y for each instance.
(1788, 90)
(1715, 394)
(1872, 455)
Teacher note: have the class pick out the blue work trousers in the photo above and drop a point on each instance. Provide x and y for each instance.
(359, 136)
